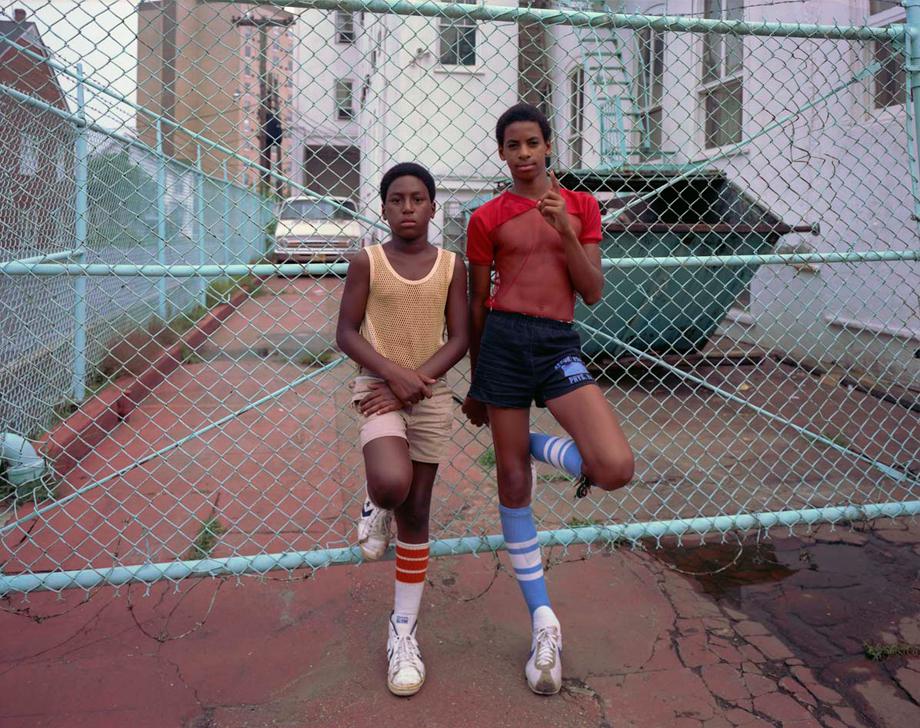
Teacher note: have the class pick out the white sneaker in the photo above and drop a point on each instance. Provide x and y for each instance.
(374, 530)
(544, 668)
(406, 672)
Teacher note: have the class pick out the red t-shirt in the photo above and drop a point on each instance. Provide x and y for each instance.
(532, 276)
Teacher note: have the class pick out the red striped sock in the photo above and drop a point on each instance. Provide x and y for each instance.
(411, 567)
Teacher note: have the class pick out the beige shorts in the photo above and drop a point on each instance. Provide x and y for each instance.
(426, 425)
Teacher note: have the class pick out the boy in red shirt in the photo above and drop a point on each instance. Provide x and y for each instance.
(542, 241)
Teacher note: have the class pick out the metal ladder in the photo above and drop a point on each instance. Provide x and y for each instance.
(611, 89)
(609, 83)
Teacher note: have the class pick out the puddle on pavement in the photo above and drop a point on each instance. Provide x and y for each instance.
(722, 570)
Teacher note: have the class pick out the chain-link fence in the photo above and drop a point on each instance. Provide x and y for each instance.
(93, 195)
(759, 335)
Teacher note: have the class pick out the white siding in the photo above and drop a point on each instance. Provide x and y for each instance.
(842, 165)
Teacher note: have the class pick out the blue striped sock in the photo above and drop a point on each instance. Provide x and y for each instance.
(524, 550)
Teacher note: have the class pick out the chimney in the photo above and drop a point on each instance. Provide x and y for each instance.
(19, 15)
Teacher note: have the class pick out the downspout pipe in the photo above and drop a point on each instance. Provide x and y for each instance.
(23, 464)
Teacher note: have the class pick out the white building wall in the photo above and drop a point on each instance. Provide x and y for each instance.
(409, 106)
(442, 117)
(842, 165)
(318, 62)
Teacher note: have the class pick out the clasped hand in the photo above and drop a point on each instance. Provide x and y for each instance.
(402, 388)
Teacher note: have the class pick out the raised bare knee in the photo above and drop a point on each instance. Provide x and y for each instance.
(611, 471)
(388, 490)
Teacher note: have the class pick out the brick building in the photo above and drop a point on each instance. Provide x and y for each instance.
(36, 147)
(223, 71)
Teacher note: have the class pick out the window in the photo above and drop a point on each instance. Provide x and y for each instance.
(458, 40)
(28, 155)
(650, 82)
(889, 82)
(344, 100)
(332, 170)
(577, 116)
(877, 7)
(344, 27)
(722, 93)
(454, 229)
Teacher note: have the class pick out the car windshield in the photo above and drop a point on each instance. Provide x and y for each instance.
(318, 210)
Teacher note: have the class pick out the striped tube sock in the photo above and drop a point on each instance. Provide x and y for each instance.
(411, 567)
(560, 452)
(524, 550)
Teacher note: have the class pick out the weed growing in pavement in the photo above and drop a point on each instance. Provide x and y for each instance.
(487, 459)
(879, 651)
(578, 522)
(210, 531)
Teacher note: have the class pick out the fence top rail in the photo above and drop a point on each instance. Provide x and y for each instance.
(211, 270)
(559, 16)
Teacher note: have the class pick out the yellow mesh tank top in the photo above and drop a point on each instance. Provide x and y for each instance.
(404, 319)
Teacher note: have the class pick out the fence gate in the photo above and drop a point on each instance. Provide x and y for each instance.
(173, 403)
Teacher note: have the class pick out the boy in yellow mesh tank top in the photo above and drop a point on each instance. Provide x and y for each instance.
(400, 299)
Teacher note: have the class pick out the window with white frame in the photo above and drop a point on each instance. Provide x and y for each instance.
(649, 92)
(576, 116)
(344, 27)
(889, 81)
(28, 154)
(453, 230)
(457, 38)
(722, 89)
(344, 99)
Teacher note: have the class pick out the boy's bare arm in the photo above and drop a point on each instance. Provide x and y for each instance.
(406, 384)
(480, 285)
(458, 330)
(583, 261)
(351, 314)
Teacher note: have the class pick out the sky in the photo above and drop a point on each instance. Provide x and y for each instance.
(102, 35)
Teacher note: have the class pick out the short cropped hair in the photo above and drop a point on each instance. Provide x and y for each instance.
(407, 169)
(522, 112)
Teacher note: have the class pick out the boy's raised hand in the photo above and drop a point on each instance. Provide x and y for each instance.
(408, 385)
(552, 206)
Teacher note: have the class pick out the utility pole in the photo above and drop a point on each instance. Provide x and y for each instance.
(269, 115)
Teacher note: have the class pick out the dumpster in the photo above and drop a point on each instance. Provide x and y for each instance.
(671, 310)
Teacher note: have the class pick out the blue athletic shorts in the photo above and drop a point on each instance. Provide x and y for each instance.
(525, 359)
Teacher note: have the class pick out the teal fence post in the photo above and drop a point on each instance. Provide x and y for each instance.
(252, 218)
(912, 49)
(200, 226)
(225, 241)
(161, 221)
(81, 208)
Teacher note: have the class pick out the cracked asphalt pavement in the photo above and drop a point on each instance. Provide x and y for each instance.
(764, 633)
